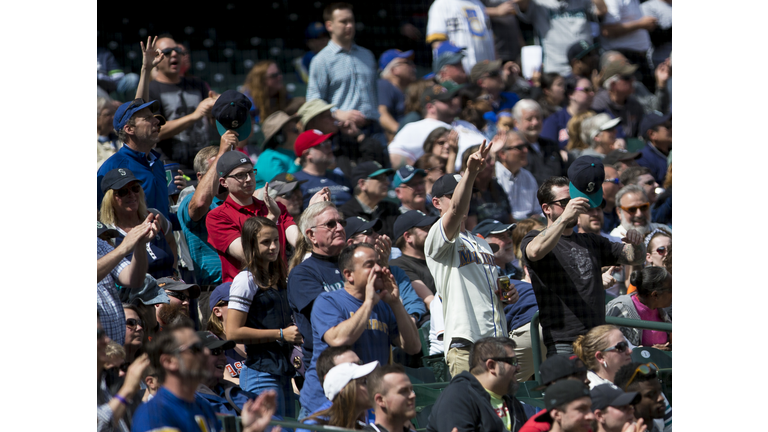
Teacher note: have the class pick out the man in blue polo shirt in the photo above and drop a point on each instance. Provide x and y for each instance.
(139, 130)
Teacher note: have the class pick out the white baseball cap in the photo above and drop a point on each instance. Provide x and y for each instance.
(341, 374)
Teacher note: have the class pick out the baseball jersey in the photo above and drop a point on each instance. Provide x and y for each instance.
(465, 24)
(465, 276)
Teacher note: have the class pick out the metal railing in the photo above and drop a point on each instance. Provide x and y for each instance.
(621, 322)
(230, 423)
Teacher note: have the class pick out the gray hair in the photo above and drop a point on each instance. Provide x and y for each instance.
(605, 58)
(590, 128)
(310, 213)
(630, 189)
(101, 102)
(525, 105)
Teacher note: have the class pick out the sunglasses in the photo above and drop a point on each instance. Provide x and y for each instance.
(195, 348)
(131, 323)
(168, 51)
(100, 333)
(661, 250)
(331, 224)
(586, 89)
(612, 180)
(243, 176)
(124, 367)
(650, 182)
(561, 202)
(633, 210)
(644, 369)
(123, 192)
(512, 361)
(620, 347)
(179, 295)
(217, 351)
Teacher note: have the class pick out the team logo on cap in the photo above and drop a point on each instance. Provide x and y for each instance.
(457, 177)
(377, 164)
(121, 171)
(584, 44)
(409, 168)
(243, 160)
(316, 132)
(235, 123)
(362, 218)
(290, 177)
(420, 212)
(99, 225)
(590, 187)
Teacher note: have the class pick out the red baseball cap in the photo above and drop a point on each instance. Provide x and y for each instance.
(309, 139)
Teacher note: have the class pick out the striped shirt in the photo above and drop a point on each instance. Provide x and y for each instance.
(108, 301)
(521, 191)
(345, 78)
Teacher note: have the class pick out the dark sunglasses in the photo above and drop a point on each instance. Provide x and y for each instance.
(331, 224)
(612, 180)
(644, 369)
(661, 250)
(124, 367)
(100, 333)
(620, 347)
(561, 202)
(133, 322)
(195, 348)
(217, 351)
(179, 295)
(633, 210)
(123, 192)
(168, 51)
(512, 361)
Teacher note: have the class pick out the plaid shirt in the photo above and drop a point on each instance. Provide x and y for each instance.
(345, 78)
(107, 300)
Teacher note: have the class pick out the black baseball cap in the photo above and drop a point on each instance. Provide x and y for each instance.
(620, 155)
(608, 394)
(410, 219)
(586, 175)
(651, 120)
(559, 393)
(176, 284)
(211, 341)
(490, 226)
(105, 232)
(560, 366)
(116, 179)
(228, 162)
(368, 170)
(285, 183)
(580, 49)
(231, 111)
(358, 224)
(445, 185)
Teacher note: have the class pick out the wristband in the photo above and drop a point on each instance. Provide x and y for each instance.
(121, 399)
(281, 334)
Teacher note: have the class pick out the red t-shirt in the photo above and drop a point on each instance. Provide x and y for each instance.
(225, 223)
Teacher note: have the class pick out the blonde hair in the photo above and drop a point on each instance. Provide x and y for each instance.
(586, 346)
(215, 325)
(115, 349)
(302, 248)
(256, 85)
(518, 233)
(107, 214)
(575, 141)
(344, 412)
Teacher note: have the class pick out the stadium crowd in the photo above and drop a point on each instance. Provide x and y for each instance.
(290, 278)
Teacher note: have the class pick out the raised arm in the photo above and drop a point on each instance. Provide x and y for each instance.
(173, 127)
(208, 185)
(136, 240)
(151, 57)
(408, 339)
(459, 205)
(547, 239)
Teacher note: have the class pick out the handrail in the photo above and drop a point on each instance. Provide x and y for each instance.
(617, 321)
(299, 425)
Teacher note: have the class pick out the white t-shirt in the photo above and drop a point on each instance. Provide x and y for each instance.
(469, 136)
(623, 11)
(465, 24)
(465, 277)
(409, 142)
(436, 326)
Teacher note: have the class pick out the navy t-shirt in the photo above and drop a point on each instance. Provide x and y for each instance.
(521, 312)
(333, 308)
(316, 275)
(159, 256)
(339, 186)
(167, 412)
(391, 97)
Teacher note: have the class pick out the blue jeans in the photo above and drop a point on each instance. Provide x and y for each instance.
(256, 382)
(303, 413)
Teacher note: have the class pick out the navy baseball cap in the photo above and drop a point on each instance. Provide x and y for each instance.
(125, 111)
(586, 174)
(369, 169)
(447, 53)
(559, 393)
(410, 219)
(231, 113)
(358, 224)
(389, 55)
(406, 174)
(177, 284)
(445, 185)
(651, 120)
(220, 293)
(605, 395)
(580, 49)
(105, 231)
(488, 227)
(116, 179)
(211, 341)
(560, 366)
(315, 30)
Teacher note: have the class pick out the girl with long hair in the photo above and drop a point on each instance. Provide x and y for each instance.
(351, 402)
(260, 317)
(604, 350)
(264, 86)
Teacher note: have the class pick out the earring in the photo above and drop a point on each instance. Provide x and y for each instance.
(605, 364)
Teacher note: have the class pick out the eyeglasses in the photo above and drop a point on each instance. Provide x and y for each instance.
(633, 210)
(195, 348)
(217, 351)
(100, 333)
(586, 89)
(179, 295)
(331, 224)
(620, 347)
(650, 182)
(561, 202)
(644, 369)
(123, 192)
(131, 323)
(661, 250)
(243, 176)
(168, 51)
(512, 361)
(612, 180)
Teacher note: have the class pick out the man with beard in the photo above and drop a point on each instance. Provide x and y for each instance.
(565, 266)
(642, 378)
(180, 294)
(481, 399)
(179, 357)
(634, 210)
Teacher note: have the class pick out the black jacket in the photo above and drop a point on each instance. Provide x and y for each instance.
(465, 405)
(547, 164)
(386, 211)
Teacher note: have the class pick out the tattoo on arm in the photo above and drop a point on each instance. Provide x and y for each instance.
(631, 254)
